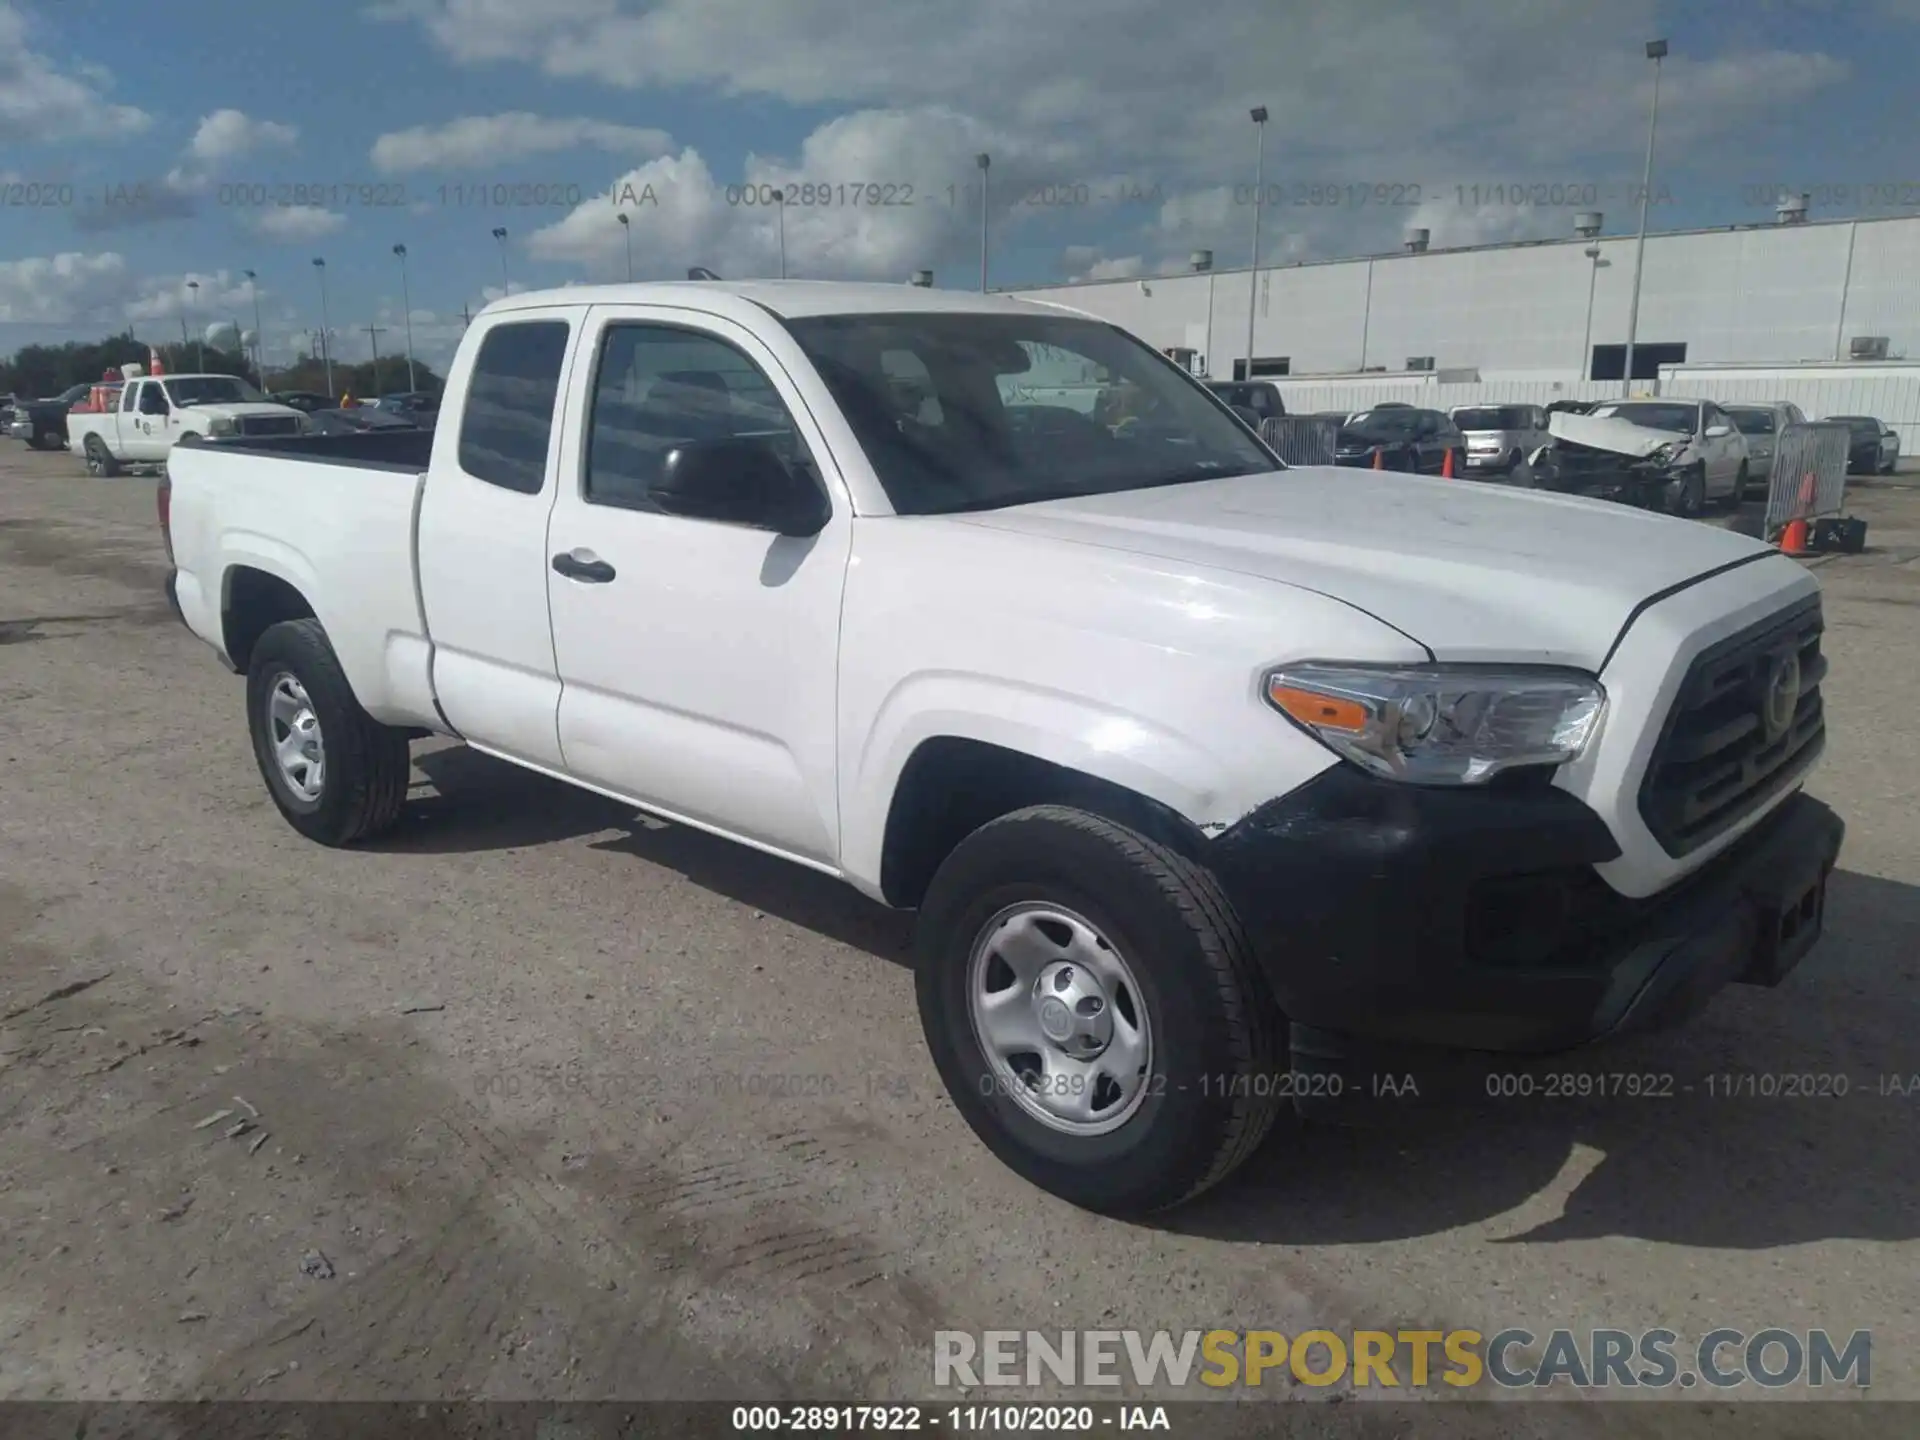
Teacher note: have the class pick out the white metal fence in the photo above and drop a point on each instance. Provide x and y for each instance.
(1896, 400)
(1809, 474)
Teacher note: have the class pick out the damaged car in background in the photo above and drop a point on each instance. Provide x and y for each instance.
(1673, 455)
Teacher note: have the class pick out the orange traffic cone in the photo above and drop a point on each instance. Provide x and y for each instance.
(1379, 458)
(1446, 466)
(1793, 539)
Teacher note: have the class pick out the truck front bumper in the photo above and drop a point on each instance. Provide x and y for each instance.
(1473, 919)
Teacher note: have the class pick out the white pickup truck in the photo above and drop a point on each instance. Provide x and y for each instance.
(1205, 775)
(154, 415)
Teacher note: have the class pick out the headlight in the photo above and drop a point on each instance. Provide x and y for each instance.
(222, 425)
(1440, 724)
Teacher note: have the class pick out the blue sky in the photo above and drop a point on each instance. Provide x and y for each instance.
(1118, 129)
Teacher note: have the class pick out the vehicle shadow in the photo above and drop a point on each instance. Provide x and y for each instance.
(477, 803)
(1729, 1159)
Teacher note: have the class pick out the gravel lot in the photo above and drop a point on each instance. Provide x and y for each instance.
(553, 1101)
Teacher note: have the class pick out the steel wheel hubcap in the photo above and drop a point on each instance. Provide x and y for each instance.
(294, 732)
(1060, 1018)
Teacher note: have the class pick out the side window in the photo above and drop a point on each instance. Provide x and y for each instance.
(153, 400)
(130, 398)
(658, 387)
(1429, 426)
(508, 421)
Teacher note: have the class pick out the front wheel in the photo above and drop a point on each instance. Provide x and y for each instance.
(336, 774)
(1692, 497)
(1091, 1003)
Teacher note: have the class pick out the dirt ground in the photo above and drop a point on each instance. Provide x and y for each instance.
(540, 1099)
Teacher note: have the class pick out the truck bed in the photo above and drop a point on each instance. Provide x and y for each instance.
(334, 517)
(400, 450)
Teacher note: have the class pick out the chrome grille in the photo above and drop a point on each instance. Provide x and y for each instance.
(1722, 755)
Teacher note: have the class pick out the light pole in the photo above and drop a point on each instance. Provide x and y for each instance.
(326, 347)
(983, 160)
(373, 339)
(259, 339)
(199, 346)
(780, 201)
(406, 305)
(1656, 52)
(626, 233)
(1203, 260)
(1592, 253)
(1259, 114)
(500, 234)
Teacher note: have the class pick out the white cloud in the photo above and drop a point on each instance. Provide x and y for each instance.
(490, 139)
(54, 289)
(1123, 267)
(39, 101)
(230, 134)
(290, 223)
(1359, 98)
(874, 194)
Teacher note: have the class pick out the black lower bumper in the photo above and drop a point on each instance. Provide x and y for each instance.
(1474, 920)
(173, 596)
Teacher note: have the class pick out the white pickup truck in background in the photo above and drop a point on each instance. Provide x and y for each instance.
(155, 414)
(1204, 774)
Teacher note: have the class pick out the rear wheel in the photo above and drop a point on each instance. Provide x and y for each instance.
(100, 460)
(336, 774)
(49, 440)
(1092, 1006)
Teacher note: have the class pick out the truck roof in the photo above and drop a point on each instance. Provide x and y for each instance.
(789, 299)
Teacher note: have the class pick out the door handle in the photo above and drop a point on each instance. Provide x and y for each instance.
(593, 572)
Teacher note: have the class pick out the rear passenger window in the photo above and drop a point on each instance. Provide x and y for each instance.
(508, 420)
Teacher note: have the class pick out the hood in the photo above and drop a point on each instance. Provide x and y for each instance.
(1621, 437)
(239, 408)
(1471, 571)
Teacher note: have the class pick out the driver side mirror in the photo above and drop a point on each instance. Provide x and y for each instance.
(1249, 415)
(740, 482)
(1715, 432)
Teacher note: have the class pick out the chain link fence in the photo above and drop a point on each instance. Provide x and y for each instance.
(1809, 474)
(1301, 439)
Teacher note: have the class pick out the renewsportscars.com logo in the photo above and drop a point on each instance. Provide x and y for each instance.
(1721, 1359)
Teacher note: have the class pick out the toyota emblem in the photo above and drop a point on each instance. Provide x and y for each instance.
(1782, 697)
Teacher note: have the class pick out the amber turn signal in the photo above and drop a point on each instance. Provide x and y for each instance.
(1327, 712)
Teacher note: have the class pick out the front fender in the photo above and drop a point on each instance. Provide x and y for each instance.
(1195, 778)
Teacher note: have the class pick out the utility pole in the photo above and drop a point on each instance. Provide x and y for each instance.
(259, 339)
(406, 304)
(373, 339)
(984, 161)
(326, 347)
(1259, 114)
(1656, 52)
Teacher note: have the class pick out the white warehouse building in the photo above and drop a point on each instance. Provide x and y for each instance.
(1545, 310)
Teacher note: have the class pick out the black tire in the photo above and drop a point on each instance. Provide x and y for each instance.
(1212, 1091)
(1691, 502)
(1742, 478)
(48, 440)
(364, 779)
(100, 460)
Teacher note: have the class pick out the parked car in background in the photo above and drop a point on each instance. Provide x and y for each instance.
(1499, 437)
(306, 401)
(154, 415)
(1403, 438)
(1701, 446)
(1762, 424)
(419, 406)
(1873, 446)
(43, 423)
(1262, 397)
(357, 421)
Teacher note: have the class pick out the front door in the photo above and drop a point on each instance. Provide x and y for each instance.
(148, 439)
(698, 659)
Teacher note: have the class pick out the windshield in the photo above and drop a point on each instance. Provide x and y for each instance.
(974, 412)
(1753, 422)
(210, 390)
(1679, 419)
(1490, 417)
(1388, 424)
